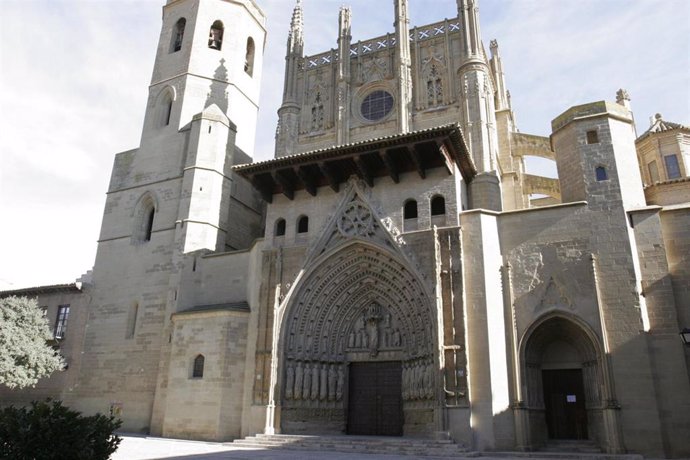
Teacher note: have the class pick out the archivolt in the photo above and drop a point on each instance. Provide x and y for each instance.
(336, 293)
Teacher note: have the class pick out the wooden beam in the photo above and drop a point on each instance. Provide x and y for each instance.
(391, 165)
(261, 184)
(307, 179)
(447, 159)
(285, 183)
(417, 160)
(363, 170)
(330, 175)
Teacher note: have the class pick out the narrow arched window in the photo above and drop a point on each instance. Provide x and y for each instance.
(249, 57)
(144, 216)
(215, 36)
(410, 211)
(303, 224)
(280, 227)
(198, 368)
(177, 35)
(601, 173)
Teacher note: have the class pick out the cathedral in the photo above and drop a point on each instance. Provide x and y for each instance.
(393, 270)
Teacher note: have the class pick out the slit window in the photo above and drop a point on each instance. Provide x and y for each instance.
(132, 321)
(280, 227)
(438, 206)
(601, 173)
(178, 35)
(198, 367)
(410, 211)
(249, 57)
(149, 224)
(303, 224)
(215, 36)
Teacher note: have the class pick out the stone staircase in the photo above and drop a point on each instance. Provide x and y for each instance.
(357, 444)
(423, 448)
(566, 450)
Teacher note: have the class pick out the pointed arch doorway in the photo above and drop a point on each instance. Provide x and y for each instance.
(358, 347)
(565, 374)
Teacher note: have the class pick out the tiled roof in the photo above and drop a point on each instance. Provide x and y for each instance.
(353, 146)
(660, 125)
(234, 306)
(38, 290)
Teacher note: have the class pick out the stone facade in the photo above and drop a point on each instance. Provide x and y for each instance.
(388, 271)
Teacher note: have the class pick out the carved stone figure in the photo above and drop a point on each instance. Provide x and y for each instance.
(306, 384)
(332, 379)
(323, 387)
(428, 378)
(373, 318)
(289, 381)
(315, 378)
(341, 384)
(299, 375)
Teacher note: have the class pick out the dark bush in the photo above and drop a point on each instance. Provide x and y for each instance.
(50, 431)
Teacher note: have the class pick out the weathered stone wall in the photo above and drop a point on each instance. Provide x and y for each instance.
(207, 407)
(667, 353)
(675, 225)
(668, 193)
(489, 397)
(387, 198)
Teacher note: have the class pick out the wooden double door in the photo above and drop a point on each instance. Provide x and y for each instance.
(564, 398)
(375, 399)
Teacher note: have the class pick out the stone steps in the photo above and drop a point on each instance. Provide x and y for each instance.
(414, 447)
(560, 455)
(567, 450)
(581, 446)
(358, 444)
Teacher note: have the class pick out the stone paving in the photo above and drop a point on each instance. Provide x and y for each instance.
(135, 447)
(147, 448)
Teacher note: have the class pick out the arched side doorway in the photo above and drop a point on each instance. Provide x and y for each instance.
(563, 368)
(357, 348)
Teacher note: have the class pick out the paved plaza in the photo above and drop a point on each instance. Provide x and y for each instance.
(135, 447)
(145, 448)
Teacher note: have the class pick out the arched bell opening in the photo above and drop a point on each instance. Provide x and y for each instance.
(563, 368)
(357, 348)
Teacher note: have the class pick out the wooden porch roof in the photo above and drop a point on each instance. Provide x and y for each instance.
(442, 146)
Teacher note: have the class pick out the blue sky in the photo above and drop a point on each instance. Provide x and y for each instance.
(74, 76)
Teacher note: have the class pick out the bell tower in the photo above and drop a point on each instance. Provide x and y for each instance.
(209, 52)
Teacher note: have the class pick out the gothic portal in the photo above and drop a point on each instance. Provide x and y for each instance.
(359, 311)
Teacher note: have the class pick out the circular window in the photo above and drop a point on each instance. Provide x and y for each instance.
(377, 105)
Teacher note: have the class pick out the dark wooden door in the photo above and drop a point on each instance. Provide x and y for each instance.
(564, 398)
(375, 399)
